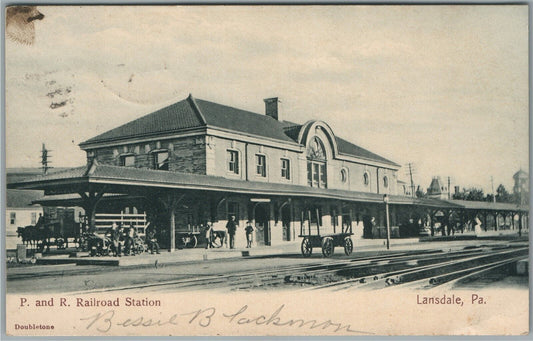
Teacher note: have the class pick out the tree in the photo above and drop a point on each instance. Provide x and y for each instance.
(502, 195)
(420, 192)
(470, 194)
(475, 194)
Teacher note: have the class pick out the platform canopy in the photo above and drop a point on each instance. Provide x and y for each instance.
(136, 181)
(116, 180)
(489, 206)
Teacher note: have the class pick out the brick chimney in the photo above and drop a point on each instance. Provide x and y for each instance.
(271, 107)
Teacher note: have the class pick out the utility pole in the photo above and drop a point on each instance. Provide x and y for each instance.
(44, 159)
(386, 201)
(492, 185)
(449, 188)
(410, 165)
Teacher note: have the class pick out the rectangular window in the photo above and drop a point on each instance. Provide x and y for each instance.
(261, 165)
(316, 174)
(127, 160)
(161, 160)
(12, 218)
(323, 181)
(285, 169)
(33, 218)
(233, 161)
(233, 210)
(309, 174)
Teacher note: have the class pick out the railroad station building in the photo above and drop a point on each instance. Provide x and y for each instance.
(196, 162)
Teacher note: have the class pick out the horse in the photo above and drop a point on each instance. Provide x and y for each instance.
(27, 234)
(32, 236)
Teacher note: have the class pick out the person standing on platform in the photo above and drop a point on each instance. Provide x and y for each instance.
(249, 230)
(208, 235)
(231, 227)
(114, 235)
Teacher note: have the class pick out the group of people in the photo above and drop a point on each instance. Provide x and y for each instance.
(231, 228)
(123, 240)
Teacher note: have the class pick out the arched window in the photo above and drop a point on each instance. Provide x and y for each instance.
(366, 179)
(344, 175)
(385, 182)
(316, 164)
(315, 150)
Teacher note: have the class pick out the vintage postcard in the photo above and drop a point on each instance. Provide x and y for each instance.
(266, 170)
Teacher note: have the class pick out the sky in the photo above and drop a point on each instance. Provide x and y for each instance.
(442, 87)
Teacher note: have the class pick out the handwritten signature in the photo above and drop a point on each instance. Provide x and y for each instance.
(104, 321)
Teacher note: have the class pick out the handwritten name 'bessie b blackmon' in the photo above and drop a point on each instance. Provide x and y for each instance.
(105, 321)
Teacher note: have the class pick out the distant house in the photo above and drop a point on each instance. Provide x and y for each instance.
(403, 188)
(20, 212)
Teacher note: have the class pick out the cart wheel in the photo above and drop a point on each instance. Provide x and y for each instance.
(193, 241)
(327, 247)
(307, 249)
(348, 246)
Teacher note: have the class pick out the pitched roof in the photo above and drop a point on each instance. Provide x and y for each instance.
(67, 173)
(20, 173)
(520, 173)
(16, 198)
(435, 186)
(193, 113)
(349, 148)
(486, 205)
(175, 117)
(222, 116)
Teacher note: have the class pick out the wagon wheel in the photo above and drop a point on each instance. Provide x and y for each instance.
(348, 246)
(193, 241)
(327, 247)
(307, 248)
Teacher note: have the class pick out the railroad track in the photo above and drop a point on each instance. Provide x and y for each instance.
(442, 273)
(368, 272)
(260, 277)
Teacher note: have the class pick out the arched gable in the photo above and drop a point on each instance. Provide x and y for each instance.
(320, 129)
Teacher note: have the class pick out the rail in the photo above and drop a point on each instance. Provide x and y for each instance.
(103, 221)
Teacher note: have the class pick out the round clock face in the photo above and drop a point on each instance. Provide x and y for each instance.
(315, 150)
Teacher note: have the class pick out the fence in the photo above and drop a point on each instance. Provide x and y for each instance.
(103, 221)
